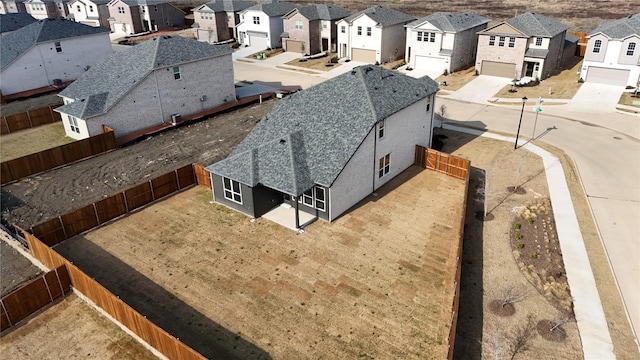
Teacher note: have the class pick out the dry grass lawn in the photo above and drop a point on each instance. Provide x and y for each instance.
(627, 98)
(562, 85)
(376, 283)
(72, 330)
(267, 52)
(457, 79)
(32, 140)
(319, 63)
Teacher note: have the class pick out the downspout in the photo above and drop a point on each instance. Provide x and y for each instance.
(155, 77)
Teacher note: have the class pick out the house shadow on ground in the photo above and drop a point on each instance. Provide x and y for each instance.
(157, 304)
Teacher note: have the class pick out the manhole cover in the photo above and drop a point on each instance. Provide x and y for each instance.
(617, 137)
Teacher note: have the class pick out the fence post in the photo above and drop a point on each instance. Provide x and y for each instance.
(153, 196)
(95, 212)
(7, 124)
(177, 178)
(60, 281)
(64, 231)
(126, 206)
(47, 286)
(6, 313)
(29, 118)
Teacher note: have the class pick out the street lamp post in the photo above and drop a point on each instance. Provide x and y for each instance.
(524, 101)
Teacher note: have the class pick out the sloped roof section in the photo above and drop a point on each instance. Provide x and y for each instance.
(143, 2)
(323, 12)
(226, 5)
(451, 22)
(621, 28)
(14, 21)
(273, 7)
(532, 24)
(14, 44)
(383, 16)
(309, 137)
(102, 86)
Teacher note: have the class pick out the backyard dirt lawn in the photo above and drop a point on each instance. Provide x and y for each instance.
(376, 283)
(29, 141)
(72, 330)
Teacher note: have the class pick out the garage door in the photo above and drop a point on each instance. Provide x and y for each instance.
(295, 46)
(607, 76)
(493, 68)
(430, 63)
(368, 56)
(258, 40)
(204, 35)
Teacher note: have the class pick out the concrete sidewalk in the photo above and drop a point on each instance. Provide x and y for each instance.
(590, 318)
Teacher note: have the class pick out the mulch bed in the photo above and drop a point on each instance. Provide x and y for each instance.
(504, 311)
(545, 327)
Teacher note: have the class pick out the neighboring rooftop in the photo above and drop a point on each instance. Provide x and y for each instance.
(322, 12)
(105, 83)
(450, 22)
(273, 7)
(14, 21)
(15, 43)
(226, 5)
(383, 16)
(142, 2)
(532, 24)
(309, 137)
(621, 28)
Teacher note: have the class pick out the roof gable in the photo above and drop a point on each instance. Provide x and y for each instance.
(383, 16)
(320, 12)
(225, 6)
(503, 28)
(619, 29)
(450, 22)
(309, 137)
(532, 24)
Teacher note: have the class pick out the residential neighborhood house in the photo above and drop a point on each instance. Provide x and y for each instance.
(47, 9)
(374, 35)
(90, 12)
(14, 21)
(312, 29)
(136, 16)
(324, 149)
(528, 45)
(613, 53)
(217, 20)
(261, 24)
(12, 6)
(49, 52)
(147, 85)
(444, 42)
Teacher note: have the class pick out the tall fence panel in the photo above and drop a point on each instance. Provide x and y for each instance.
(110, 208)
(203, 177)
(51, 231)
(33, 296)
(186, 176)
(581, 47)
(138, 196)
(451, 165)
(164, 185)
(79, 221)
(32, 118)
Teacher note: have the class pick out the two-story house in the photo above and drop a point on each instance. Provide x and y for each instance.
(444, 42)
(373, 35)
(147, 85)
(90, 12)
(217, 20)
(12, 6)
(135, 16)
(14, 21)
(528, 45)
(613, 53)
(312, 29)
(50, 52)
(261, 25)
(324, 149)
(43, 9)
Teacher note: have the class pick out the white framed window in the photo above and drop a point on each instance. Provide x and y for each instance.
(120, 10)
(232, 190)
(176, 73)
(428, 103)
(631, 48)
(256, 20)
(315, 198)
(343, 29)
(432, 37)
(538, 41)
(320, 198)
(501, 41)
(596, 46)
(492, 40)
(512, 42)
(383, 165)
(298, 24)
(144, 9)
(359, 30)
(325, 24)
(78, 8)
(73, 124)
(307, 197)
(368, 31)
(419, 37)
(381, 129)
(58, 46)
(155, 8)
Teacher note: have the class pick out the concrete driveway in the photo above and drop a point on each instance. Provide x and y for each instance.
(480, 89)
(596, 97)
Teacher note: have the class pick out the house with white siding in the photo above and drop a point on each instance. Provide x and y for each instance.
(443, 42)
(129, 17)
(613, 53)
(218, 20)
(147, 85)
(46, 9)
(49, 52)
(90, 12)
(320, 151)
(373, 35)
(261, 25)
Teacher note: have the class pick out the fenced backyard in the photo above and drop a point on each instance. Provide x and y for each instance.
(29, 119)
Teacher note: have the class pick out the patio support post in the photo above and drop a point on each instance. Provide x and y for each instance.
(295, 199)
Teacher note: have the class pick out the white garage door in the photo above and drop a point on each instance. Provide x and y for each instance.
(430, 63)
(258, 40)
(493, 68)
(364, 55)
(607, 76)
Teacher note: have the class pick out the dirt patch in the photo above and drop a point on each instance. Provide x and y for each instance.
(70, 329)
(561, 85)
(18, 106)
(456, 80)
(500, 309)
(550, 331)
(33, 140)
(15, 269)
(627, 98)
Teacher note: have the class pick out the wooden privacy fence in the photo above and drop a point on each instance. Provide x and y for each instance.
(203, 177)
(32, 297)
(454, 166)
(29, 119)
(85, 218)
(52, 158)
(111, 304)
(581, 47)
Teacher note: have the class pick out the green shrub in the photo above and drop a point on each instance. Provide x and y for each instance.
(530, 220)
(518, 236)
(517, 226)
(520, 245)
(534, 255)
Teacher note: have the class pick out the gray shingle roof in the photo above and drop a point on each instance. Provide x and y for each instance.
(621, 28)
(227, 5)
(310, 136)
(383, 16)
(14, 44)
(323, 12)
(536, 53)
(143, 2)
(14, 21)
(273, 7)
(102, 86)
(450, 22)
(532, 24)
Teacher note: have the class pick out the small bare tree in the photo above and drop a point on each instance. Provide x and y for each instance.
(496, 345)
(443, 114)
(563, 318)
(511, 295)
(521, 338)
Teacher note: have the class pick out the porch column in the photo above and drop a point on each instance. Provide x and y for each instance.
(296, 205)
